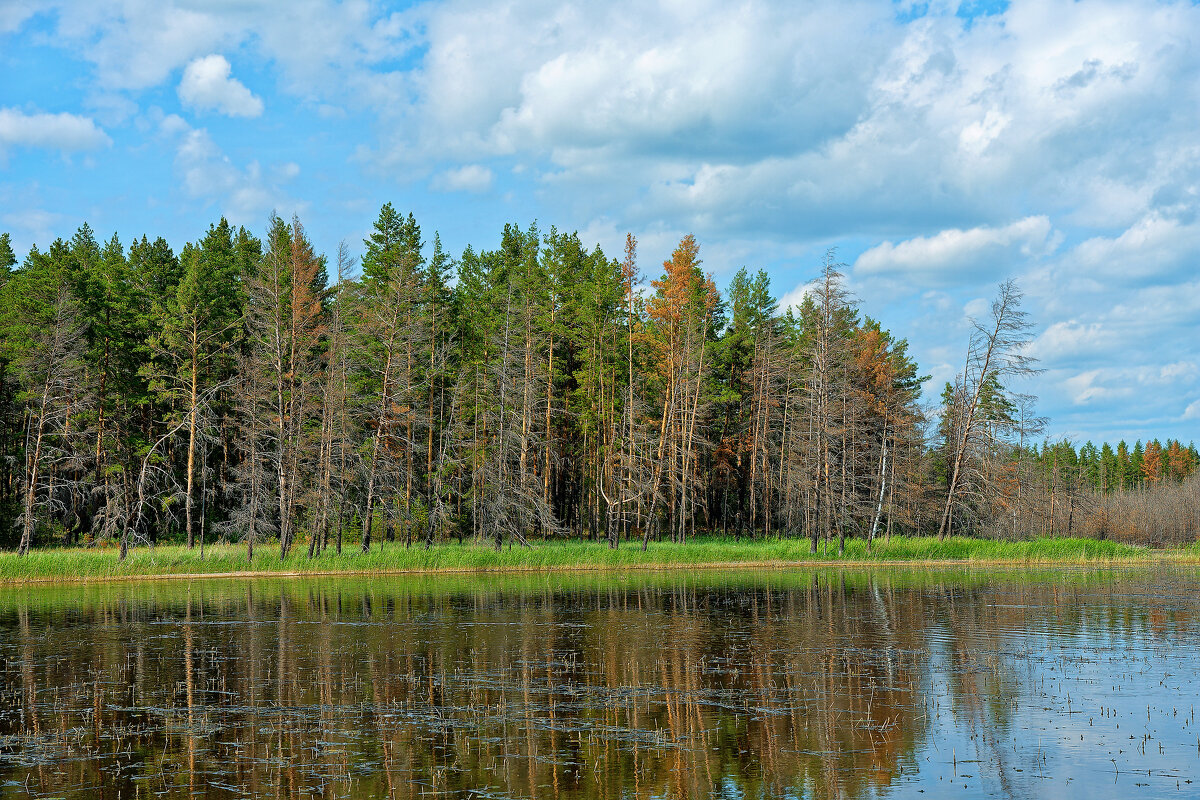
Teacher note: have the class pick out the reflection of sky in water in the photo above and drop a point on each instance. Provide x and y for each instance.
(854, 684)
(1092, 695)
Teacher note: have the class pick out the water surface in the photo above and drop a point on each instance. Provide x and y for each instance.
(856, 683)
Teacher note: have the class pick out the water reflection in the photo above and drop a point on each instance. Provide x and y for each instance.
(823, 684)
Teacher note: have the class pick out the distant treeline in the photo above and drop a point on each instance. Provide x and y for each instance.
(253, 390)
(1108, 469)
(1147, 494)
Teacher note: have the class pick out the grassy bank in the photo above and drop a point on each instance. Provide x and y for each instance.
(79, 563)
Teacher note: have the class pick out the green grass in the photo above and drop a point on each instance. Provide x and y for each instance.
(80, 563)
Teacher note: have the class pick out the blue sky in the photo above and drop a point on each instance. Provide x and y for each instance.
(939, 147)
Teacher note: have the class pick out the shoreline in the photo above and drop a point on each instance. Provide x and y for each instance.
(645, 564)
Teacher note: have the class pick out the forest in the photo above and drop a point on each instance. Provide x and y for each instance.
(253, 390)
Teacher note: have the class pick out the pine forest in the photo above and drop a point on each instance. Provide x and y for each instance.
(252, 390)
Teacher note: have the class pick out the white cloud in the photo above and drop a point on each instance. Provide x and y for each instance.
(795, 297)
(1072, 339)
(246, 195)
(173, 124)
(207, 86)
(977, 309)
(592, 83)
(1192, 411)
(320, 46)
(957, 256)
(111, 109)
(733, 120)
(12, 15)
(138, 44)
(1053, 140)
(1178, 371)
(727, 119)
(468, 178)
(976, 136)
(1087, 387)
(1114, 382)
(1154, 247)
(67, 132)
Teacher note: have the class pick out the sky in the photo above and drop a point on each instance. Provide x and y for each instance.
(936, 148)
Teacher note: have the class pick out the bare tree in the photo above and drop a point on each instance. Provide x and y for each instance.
(827, 325)
(252, 517)
(446, 458)
(511, 502)
(284, 323)
(630, 474)
(156, 480)
(50, 370)
(329, 490)
(996, 352)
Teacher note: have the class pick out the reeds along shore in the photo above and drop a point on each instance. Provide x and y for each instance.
(66, 564)
(252, 390)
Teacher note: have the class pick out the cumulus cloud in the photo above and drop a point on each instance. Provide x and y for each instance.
(726, 120)
(959, 256)
(1075, 340)
(794, 298)
(208, 86)
(1087, 387)
(138, 44)
(468, 178)
(730, 120)
(1152, 248)
(318, 46)
(67, 132)
(1054, 141)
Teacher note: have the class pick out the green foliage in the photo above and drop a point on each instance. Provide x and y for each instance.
(8, 259)
(536, 386)
(710, 552)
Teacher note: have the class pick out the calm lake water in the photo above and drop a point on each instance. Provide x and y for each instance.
(906, 683)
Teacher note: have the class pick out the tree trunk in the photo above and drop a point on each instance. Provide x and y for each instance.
(191, 454)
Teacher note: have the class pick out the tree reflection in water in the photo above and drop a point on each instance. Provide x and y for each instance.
(810, 685)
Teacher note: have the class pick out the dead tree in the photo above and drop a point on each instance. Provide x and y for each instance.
(50, 369)
(511, 502)
(996, 352)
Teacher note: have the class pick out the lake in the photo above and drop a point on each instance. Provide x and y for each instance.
(832, 683)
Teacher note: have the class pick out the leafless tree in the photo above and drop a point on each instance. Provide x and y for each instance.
(284, 324)
(510, 503)
(50, 370)
(334, 450)
(252, 478)
(996, 352)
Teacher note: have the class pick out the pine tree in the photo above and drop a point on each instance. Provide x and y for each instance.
(198, 326)
(44, 336)
(8, 259)
(682, 312)
(391, 333)
(284, 323)
(118, 352)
